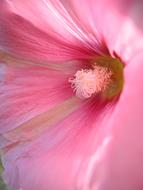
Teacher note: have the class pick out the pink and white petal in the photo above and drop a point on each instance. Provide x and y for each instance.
(67, 154)
(45, 31)
(123, 162)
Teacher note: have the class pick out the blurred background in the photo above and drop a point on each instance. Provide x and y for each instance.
(2, 185)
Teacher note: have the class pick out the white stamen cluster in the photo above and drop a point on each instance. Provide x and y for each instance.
(88, 82)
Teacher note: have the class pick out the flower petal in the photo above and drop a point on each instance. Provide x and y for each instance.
(123, 162)
(59, 30)
(122, 36)
(114, 21)
(45, 31)
(67, 154)
(28, 90)
(40, 118)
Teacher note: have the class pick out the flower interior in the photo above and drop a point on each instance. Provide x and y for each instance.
(104, 77)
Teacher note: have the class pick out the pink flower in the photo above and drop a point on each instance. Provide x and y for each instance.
(63, 125)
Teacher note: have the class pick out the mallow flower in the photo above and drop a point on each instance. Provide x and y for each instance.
(71, 94)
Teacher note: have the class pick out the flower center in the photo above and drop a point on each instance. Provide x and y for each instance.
(88, 82)
(105, 77)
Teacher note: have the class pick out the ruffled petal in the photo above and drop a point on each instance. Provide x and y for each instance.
(123, 162)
